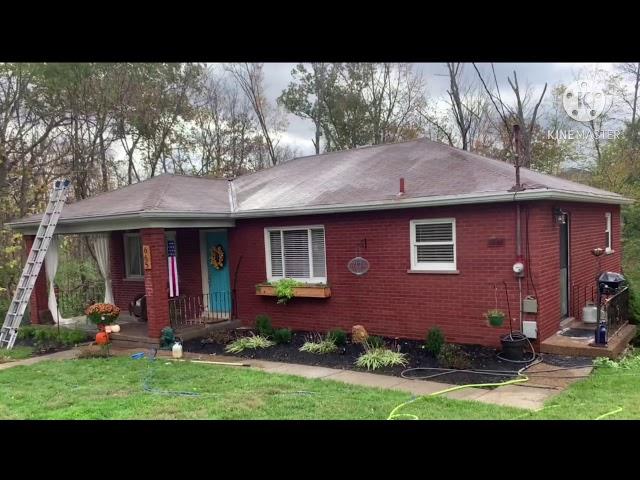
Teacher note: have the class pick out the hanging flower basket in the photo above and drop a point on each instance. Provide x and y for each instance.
(495, 318)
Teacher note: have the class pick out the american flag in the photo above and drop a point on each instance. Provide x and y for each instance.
(173, 269)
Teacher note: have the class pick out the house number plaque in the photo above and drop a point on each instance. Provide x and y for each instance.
(146, 255)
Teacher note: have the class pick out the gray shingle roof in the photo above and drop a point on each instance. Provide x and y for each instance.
(362, 178)
(373, 174)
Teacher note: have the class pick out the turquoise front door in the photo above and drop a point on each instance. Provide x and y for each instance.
(219, 281)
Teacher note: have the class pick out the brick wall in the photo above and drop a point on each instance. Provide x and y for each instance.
(124, 290)
(388, 300)
(391, 302)
(188, 248)
(586, 232)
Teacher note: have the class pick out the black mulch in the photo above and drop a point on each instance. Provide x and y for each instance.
(482, 358)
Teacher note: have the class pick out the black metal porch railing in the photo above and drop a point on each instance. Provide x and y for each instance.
(202, 308)
(580, 295)
(73, 300)
(616, 308)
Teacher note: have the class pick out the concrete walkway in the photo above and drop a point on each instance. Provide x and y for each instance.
(64, 355)
(530, 396)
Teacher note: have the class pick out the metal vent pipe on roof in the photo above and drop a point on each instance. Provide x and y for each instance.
(401, 186)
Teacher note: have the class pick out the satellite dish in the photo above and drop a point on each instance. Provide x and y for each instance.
(358, 266)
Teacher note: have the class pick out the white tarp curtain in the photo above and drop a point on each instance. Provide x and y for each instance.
(51, 267)
(100, 244)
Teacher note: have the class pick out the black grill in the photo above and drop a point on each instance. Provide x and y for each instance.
(610, 283)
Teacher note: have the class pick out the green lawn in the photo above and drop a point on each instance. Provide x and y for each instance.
(114, 388)
(16, 353)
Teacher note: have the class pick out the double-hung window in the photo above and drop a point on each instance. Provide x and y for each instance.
(608, 234)
(296, 252)
(133, 254)
(433, 244)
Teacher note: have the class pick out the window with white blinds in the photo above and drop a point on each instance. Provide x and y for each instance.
(433, 244)
(296, 252)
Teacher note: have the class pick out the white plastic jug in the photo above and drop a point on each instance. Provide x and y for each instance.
(176, 350)
(590, 313)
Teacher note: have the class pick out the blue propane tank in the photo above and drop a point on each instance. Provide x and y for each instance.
(601, 334)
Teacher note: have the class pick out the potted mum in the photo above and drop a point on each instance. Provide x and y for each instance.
(102, 314)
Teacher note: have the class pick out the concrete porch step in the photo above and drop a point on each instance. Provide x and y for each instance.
(135, 335)
(581, 347)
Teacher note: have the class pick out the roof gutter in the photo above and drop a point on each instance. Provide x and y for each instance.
(396, 203)
(434, 201)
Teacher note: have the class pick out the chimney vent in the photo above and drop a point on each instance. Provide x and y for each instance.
(401, 186)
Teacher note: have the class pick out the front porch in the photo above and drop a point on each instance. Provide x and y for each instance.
(157, 277)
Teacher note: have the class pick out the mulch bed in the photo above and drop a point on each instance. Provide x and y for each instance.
(482, 358)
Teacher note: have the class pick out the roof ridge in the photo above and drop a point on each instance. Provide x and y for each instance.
(333, 152)
(160, 193)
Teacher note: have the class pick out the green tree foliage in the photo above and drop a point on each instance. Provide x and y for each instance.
(355, 104)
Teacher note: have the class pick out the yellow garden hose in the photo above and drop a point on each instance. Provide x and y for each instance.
(394, 415)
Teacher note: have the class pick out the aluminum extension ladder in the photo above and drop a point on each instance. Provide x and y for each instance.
(12, 321)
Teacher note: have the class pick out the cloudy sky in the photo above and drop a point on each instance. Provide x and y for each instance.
(300, 131)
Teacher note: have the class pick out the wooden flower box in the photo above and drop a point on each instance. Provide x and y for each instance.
(309, 291)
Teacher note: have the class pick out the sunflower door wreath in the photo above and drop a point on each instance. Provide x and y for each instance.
(217, 257)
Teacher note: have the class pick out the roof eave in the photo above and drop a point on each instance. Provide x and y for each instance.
(434, 201)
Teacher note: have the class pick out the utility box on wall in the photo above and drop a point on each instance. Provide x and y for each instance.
(530, 305)
(530, 328)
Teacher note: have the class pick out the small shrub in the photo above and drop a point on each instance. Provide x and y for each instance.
(604, 362)
(453, 356)
(338, 336)
(435, 341)
(374, 342)
(319, 345)
(375, 358)
(69, 338)
(26, 332)
(45, 339)
(95, 351)
(263, 326)
(282, 335)
(248, 343)
(167, 337)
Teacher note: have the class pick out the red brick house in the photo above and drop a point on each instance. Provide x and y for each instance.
(438, 227)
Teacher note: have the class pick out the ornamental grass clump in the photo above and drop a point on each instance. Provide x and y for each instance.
(379, 357)
(248, 343)
(105, 313)
(319, 345)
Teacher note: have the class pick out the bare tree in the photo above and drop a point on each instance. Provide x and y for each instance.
(521, 113)
(250, 78)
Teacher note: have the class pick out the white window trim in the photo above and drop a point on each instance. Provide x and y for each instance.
(267, 248)
(127, 267)
(608, 231)
(435, 266)
(168, 235)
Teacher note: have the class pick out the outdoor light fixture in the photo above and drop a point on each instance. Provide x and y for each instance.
(559, 216)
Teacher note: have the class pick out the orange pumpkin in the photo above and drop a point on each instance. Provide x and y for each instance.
(102, 338)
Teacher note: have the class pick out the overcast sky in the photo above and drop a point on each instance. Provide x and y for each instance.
(299, 132)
